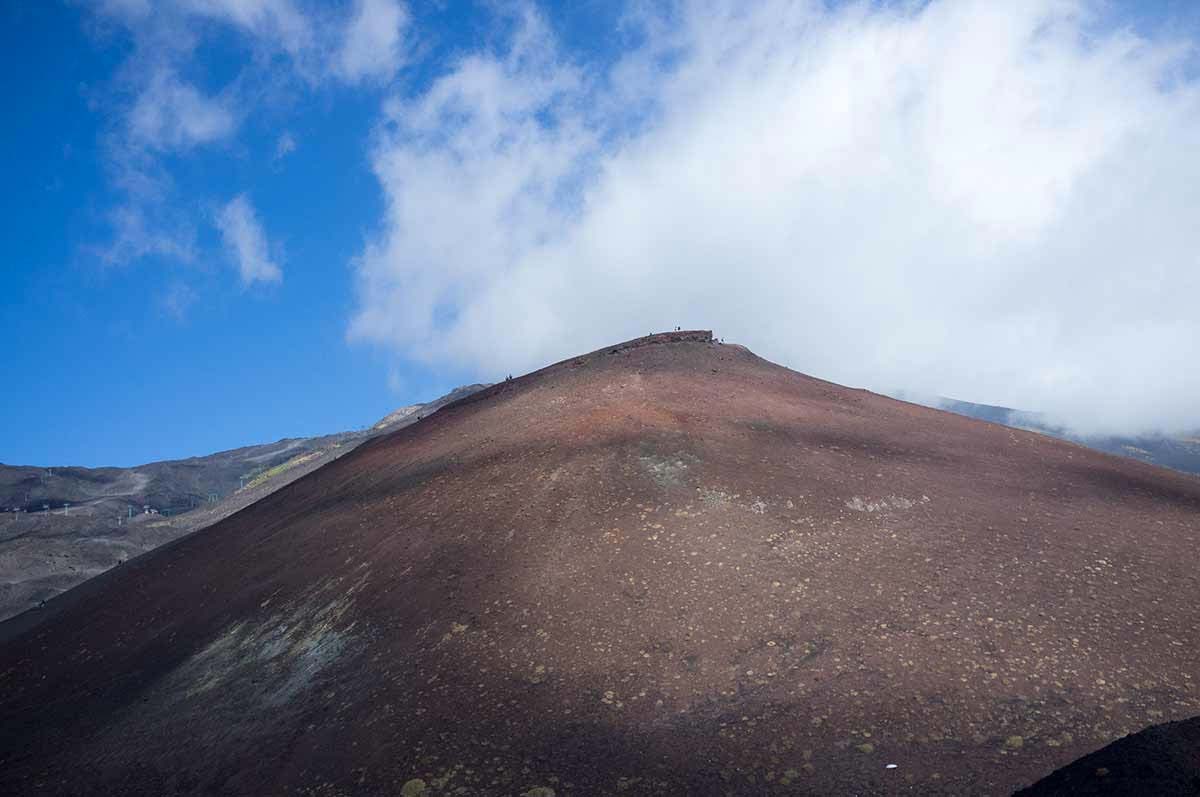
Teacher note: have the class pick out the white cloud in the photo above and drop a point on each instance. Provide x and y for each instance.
(321, 45)
(134, 237)
(277, 22)
(154, 111)
(127, 9)
(246, 242)
(473, 146)
(995, 201)
(373, 41)
(178, 300)
(285, 145)
(170, 114)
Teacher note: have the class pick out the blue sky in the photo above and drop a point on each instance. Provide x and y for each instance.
(147, 358)
(233, 221)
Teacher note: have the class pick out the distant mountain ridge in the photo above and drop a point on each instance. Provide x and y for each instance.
(1181, 452)
(62, 525)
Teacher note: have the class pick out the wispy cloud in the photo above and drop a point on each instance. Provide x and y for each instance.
(178, 300)
(157, 110)
(276, 24)
(285, 145)
(172, 115)
(372, 47)
(246, 242)
(994, 201)
(133, 238)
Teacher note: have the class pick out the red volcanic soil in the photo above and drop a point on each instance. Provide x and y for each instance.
(665, 567)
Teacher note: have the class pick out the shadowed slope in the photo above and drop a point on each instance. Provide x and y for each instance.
(1163, 760)
(666, 566)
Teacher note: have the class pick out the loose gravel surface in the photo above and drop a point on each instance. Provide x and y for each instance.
(665, 567)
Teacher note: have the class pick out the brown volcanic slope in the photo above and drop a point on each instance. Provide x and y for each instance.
(664, 567)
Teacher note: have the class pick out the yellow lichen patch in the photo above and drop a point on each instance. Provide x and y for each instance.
(414, 788)
(283, 467)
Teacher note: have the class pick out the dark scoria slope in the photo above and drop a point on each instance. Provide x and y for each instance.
(1163, 760)
(666, 567)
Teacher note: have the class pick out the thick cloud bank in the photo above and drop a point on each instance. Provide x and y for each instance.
(994, 201)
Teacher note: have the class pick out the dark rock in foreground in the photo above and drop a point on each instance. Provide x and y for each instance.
(1163, 760)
